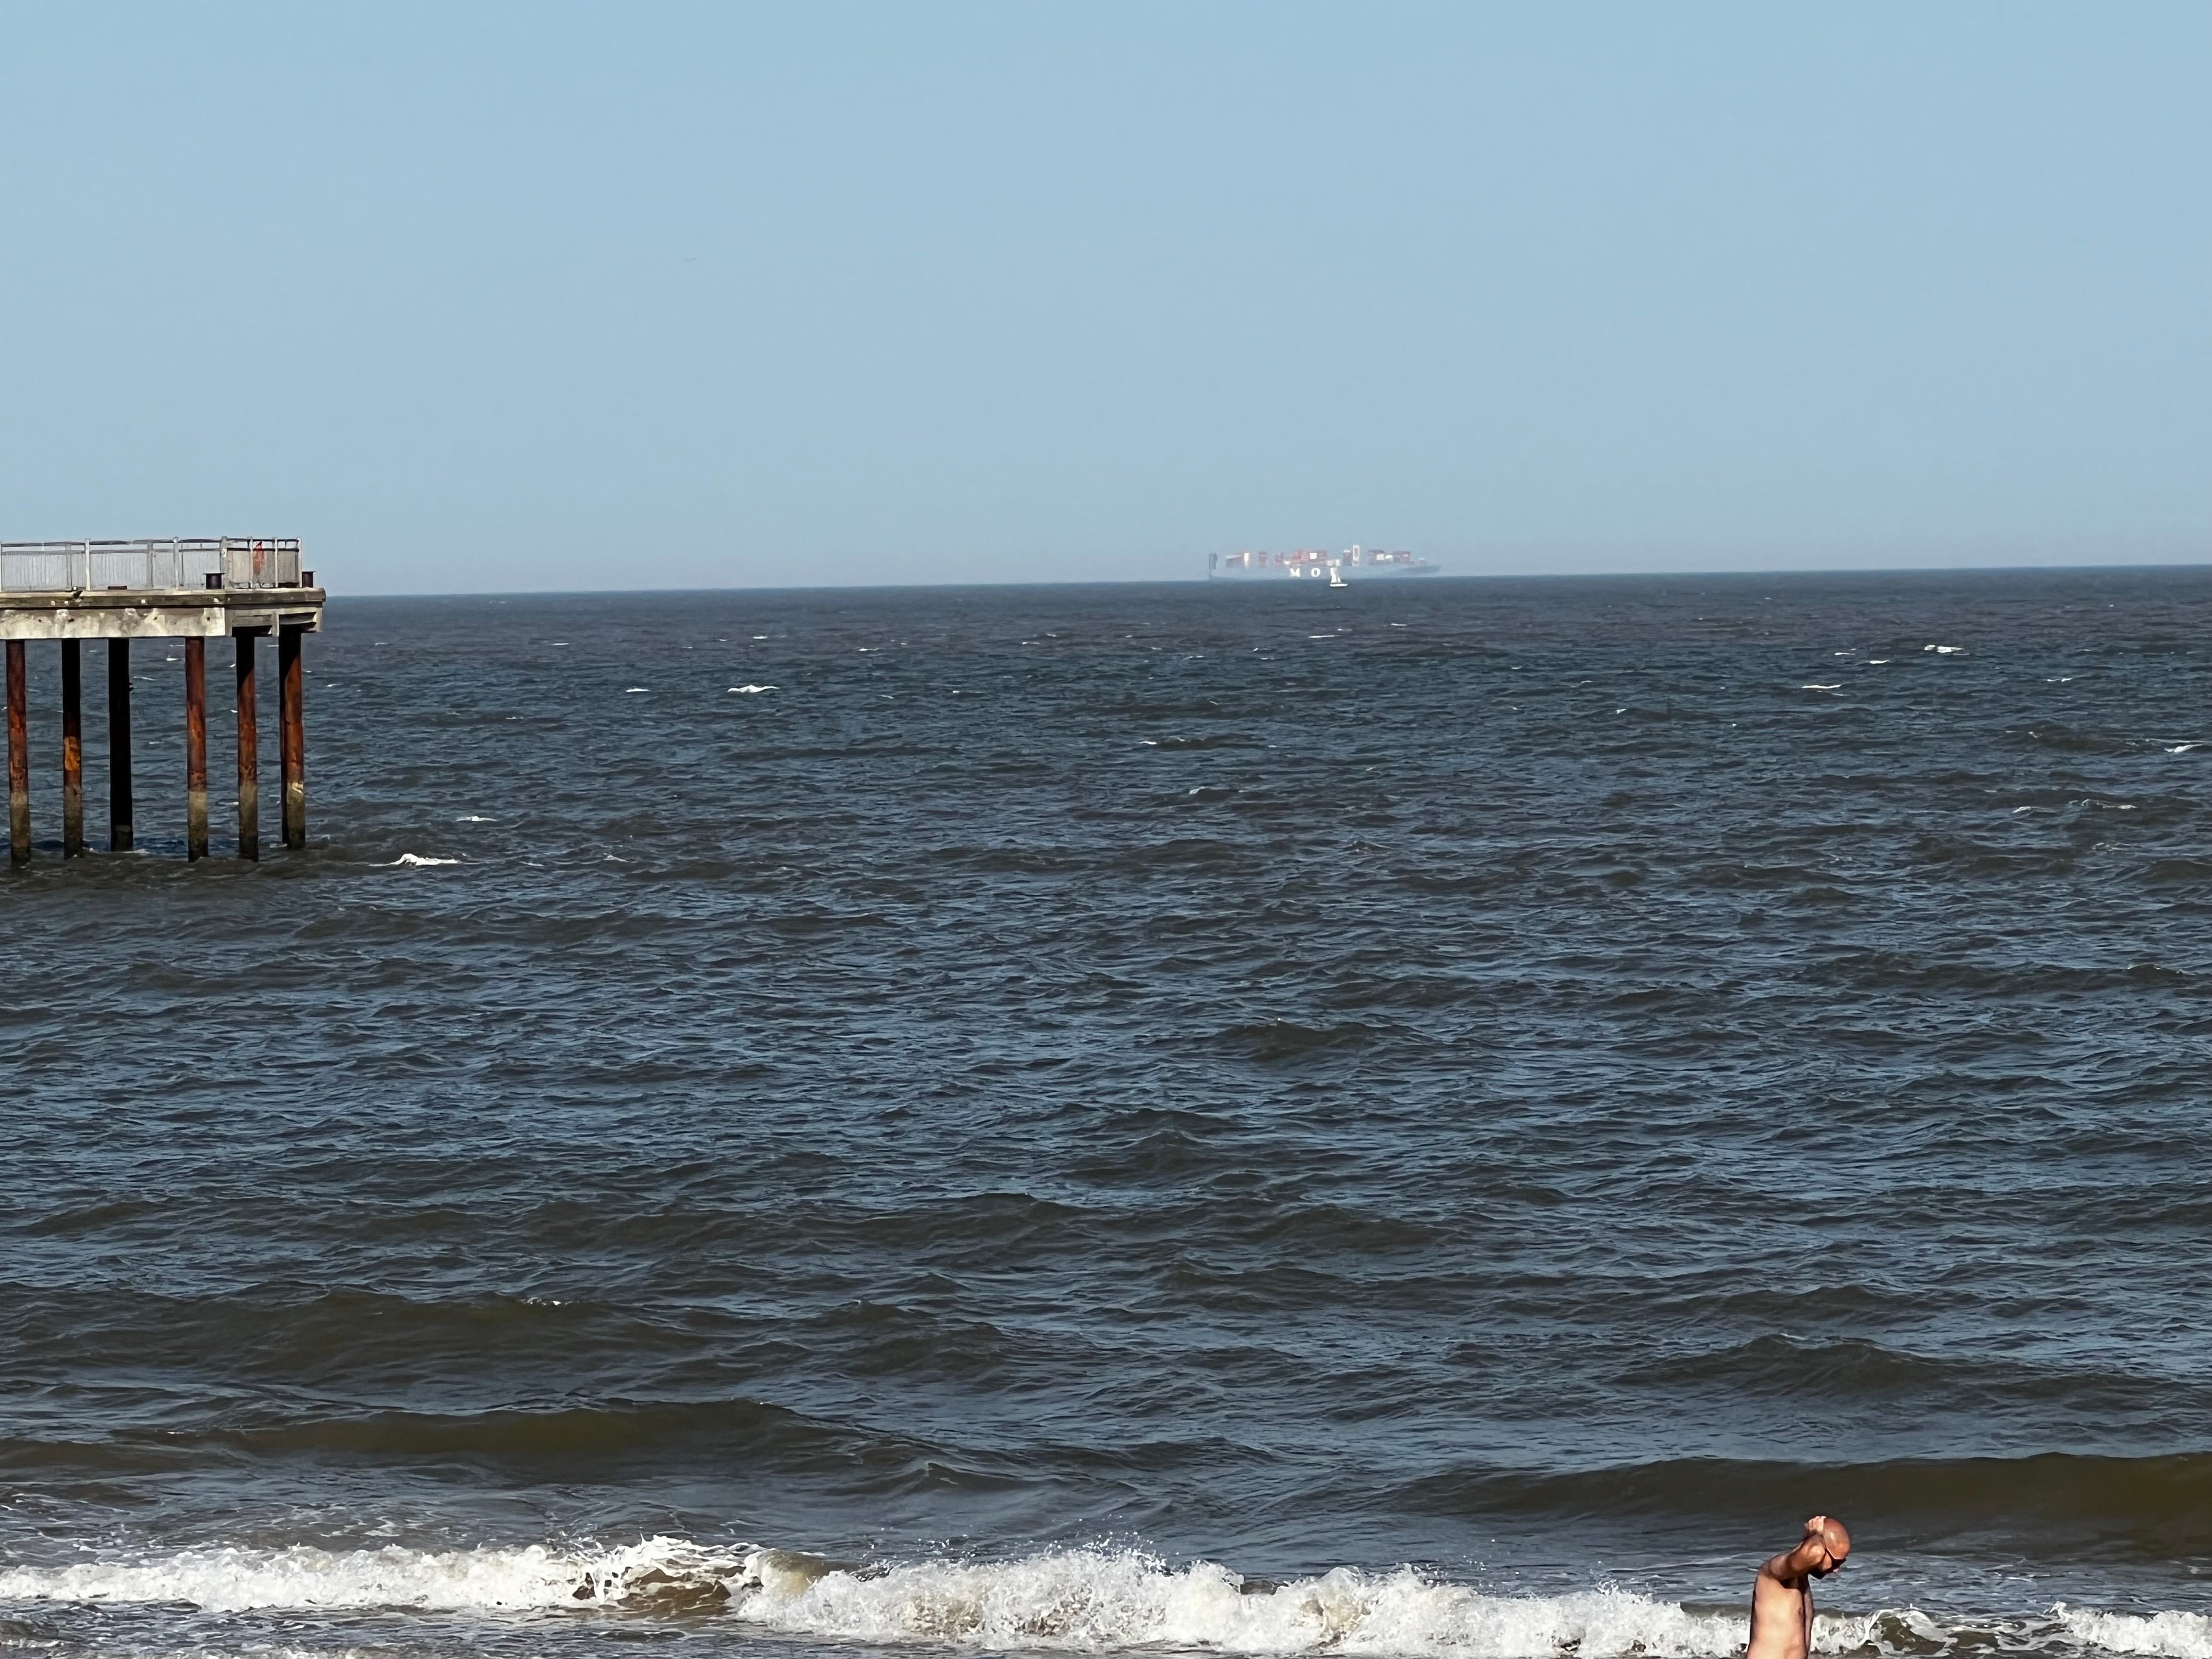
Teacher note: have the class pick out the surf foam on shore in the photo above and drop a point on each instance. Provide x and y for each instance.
(1085, 1600)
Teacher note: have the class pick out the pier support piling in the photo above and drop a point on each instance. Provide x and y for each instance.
(195, 819)
(19, 759)
(72, 749)
(249, 750)
(292, 739)
(119, 745)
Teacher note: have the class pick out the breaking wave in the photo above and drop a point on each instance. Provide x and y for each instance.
(1082, 1600)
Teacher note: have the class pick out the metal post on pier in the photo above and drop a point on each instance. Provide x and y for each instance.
(18, 759)
(291, 738)
(72, 749)
(196, 822)
(119, 745)
(249, 750)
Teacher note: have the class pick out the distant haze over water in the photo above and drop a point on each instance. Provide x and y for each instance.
(1434, 1118)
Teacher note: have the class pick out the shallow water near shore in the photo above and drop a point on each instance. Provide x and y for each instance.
(1439, 1118)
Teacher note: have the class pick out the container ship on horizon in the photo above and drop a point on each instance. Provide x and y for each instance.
(1341, 569)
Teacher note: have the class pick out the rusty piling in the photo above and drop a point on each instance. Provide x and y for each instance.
(19, 759)
(118, 746)
(72, 749)
(196, 818)
(292, 738)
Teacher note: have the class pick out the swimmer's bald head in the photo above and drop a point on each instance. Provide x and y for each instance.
(1831, 1539)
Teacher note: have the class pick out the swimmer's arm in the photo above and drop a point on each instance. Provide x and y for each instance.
(1791, 1565)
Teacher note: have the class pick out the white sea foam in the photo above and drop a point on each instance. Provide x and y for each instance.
(1820, 688)
(2173, 1635)
(1083, 1601)
(226, 1580)
(418, 860)
(1093, 1600)
(752, 690)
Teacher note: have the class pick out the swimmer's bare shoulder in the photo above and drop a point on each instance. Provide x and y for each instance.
(1782, 1594)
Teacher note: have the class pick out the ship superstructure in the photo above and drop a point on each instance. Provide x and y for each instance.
(1318, 564)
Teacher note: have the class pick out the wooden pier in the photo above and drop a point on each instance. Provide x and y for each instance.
(195, 590)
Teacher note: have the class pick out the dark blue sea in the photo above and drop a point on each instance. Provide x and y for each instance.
(1441, 1119)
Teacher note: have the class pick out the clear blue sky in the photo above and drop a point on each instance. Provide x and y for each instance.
(548, 295)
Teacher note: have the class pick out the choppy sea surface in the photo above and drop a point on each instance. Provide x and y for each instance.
(1433, 1119)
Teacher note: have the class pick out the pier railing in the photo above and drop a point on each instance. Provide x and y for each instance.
(191, 561)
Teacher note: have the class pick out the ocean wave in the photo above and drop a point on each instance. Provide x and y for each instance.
(1079, 1600)
(1285, 1039)
(2055, 1503)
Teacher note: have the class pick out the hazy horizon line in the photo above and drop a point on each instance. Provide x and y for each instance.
(1747, 573)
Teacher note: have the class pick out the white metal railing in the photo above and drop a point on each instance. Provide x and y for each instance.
(187, 561)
